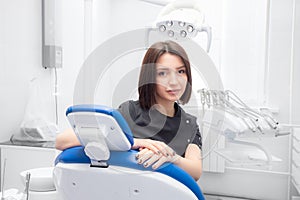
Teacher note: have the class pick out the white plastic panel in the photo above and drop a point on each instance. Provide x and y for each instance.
(93, 127)
(80, 181)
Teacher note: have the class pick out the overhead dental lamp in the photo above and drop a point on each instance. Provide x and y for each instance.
(183, 19)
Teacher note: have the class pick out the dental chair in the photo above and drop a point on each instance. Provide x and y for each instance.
(104, 167)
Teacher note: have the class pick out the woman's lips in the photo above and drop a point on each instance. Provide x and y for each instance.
(173, 92)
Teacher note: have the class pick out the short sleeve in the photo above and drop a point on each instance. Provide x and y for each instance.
(127, 111)
(198, 138)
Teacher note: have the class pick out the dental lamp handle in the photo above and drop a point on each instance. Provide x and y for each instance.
(208, 31)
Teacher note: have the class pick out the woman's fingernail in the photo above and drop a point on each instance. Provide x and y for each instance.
(146, 165)
(140, 161)
(137, 156)
(154, 167)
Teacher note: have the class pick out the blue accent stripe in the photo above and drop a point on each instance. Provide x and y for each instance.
(104, 110)
(127, 159)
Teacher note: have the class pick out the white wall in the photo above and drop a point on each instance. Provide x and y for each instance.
(124, 16)
(243, 48)
(20, 61)
(295, 107)
(73, 54)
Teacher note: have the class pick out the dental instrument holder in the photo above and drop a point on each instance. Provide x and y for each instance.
(252, 123)
(230, 103)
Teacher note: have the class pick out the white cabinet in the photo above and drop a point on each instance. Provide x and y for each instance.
(20, 158)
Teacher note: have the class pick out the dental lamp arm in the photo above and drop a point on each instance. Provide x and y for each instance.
(190, 4)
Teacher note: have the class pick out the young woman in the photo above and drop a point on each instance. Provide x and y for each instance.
(162, 131)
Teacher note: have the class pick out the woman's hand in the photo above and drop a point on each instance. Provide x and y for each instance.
(157, 147)
(154, 153)
(147, 157)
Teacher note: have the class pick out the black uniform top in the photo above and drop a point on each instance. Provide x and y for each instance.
(177, 131)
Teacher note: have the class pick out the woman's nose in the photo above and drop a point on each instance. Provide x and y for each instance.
(173, 78)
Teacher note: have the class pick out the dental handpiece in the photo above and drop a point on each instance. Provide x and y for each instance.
(27, 180)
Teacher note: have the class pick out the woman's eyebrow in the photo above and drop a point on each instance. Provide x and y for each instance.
(180, 67)
(161, 67)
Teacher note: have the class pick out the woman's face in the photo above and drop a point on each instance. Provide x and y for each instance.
(171, 78)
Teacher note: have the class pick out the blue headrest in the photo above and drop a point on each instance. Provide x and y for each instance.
(127, 159)
(104, 110)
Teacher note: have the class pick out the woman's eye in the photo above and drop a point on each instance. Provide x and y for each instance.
(182, 71)
(162, 73)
